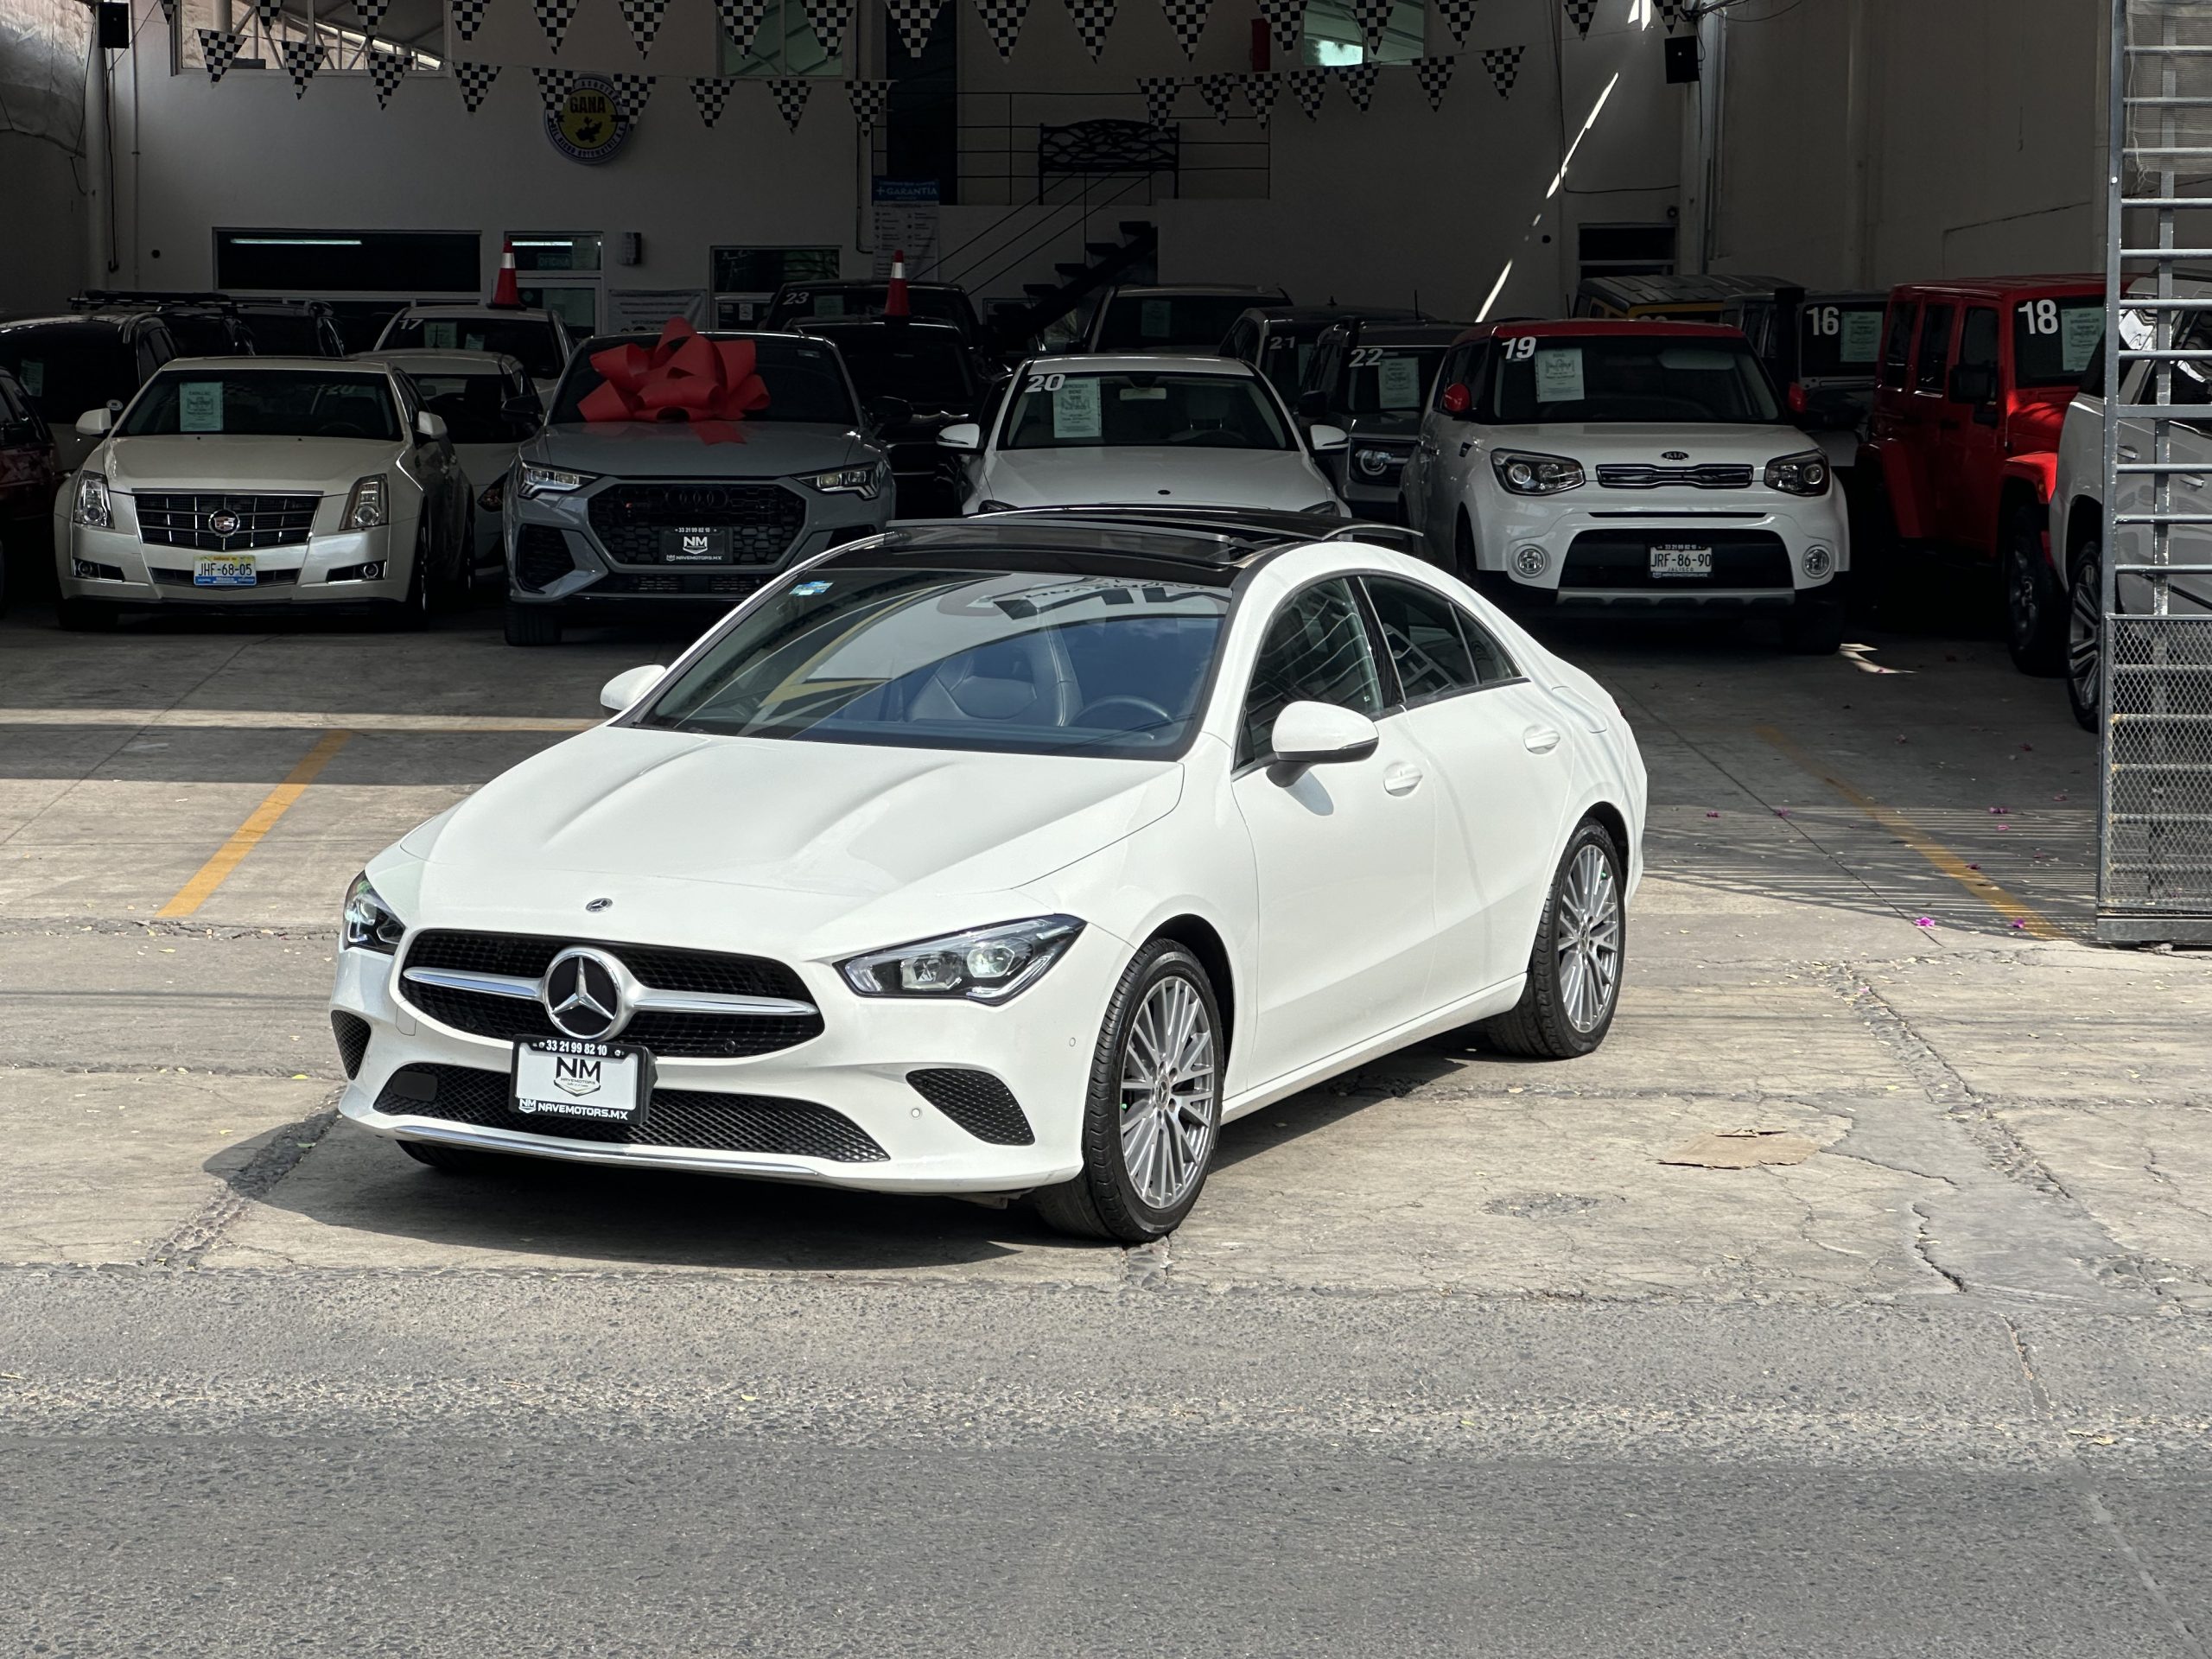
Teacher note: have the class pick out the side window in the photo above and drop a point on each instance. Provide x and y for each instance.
(1897, 347)
(1421, 630)
(1458, 368)
(1317, 651)
(1934, 347)
(1978, 339)
(1492, 665)
(1243, 342)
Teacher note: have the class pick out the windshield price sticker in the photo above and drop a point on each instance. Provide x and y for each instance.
(1154, 319)
(199, 406)
(1558, 374)
(2082, 327)
(1860, 337)
(1397, 383)
(829, 305)
(442, 334)
(1076, 411)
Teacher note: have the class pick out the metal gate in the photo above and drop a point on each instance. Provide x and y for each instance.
(2154, 592)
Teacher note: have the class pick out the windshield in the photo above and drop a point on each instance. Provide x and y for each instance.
(804, 380)
(1021, 662)
(69, 368)
(927, 370)
(200, 334)
(1386, 386)
(1151, 323)
(1838, 342)
(530, 340)
(2053, 340)
(1284, 353)
(1626, 378)
(939, 304)
(1133, 410)
(472, 407)
(263, 404)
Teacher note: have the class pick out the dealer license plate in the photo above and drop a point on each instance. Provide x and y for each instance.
(231, 570)
(1681, 559)
(696, 546)
(598, 1083)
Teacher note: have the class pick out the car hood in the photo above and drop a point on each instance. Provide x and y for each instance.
(228, 461)
(678, 450)
(687, 833)
(1589, 441)
(1214, 477)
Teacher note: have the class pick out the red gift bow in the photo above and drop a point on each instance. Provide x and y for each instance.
(685, 376)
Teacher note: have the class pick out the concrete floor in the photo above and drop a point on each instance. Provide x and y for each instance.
(1448, 1359)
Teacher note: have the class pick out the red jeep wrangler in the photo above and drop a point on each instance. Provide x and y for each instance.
(1972, 387)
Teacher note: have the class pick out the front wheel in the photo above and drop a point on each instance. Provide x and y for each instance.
(2036, 622)
(1574, 972)
(1153, 1112)
(1814, 625)
(533, 625)
(2085, 628)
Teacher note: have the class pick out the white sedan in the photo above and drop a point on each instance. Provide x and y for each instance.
(1006, 858)
(1150, 430)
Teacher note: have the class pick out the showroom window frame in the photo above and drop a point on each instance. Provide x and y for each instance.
(789, 20)
(346, 50)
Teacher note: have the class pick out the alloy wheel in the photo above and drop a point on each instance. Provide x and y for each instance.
(1588, 939)
(2027, 600)
(2084, 640)
(1167, 1093)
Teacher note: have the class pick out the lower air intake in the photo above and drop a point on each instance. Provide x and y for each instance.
(978, 1102)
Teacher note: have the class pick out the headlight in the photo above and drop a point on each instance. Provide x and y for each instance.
(369, 924)
(550, 480)
(1803, 473)
(1531, 474)
(92, 508)
(986, 964)
(844, 480)
(1376, 462)
(364, 508)
(490, 498)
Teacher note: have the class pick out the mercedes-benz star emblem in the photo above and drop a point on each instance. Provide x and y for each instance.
(583, 994)
(223, 523)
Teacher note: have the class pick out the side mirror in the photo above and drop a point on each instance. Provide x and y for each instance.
(1326, 438)
(93, 421)
(1972, 382)
(963, 437)
(890, 411)
(628, 686)
(1316, 734)
(1312, 405)
(524, 410)
(432, 426)
(1457, 399)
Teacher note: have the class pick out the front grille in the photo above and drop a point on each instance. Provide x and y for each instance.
(1622, 558)
(686, 1036)
(674, 1117)
(977, 1101)
(168, 578)
(762, 520)
(694, 584)
(541, 556)
(1712, 475)
(352, 1034)
(264, 521)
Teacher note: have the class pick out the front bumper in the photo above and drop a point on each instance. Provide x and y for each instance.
(1039, 1048)
(115, 566)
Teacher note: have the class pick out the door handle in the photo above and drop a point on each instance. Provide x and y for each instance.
(1540, 740)
(1401, 780)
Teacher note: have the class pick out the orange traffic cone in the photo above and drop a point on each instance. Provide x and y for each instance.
(504, 291)
(895, 298)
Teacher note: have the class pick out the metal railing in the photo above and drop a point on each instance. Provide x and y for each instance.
(998, 148)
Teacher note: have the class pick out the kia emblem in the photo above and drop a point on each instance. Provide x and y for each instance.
(1674, 454)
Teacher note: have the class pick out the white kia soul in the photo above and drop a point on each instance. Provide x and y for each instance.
(1628, 466)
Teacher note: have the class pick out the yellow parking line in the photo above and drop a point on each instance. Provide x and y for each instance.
(212, 874)
(2007, 903)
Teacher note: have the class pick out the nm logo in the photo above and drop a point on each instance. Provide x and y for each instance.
(578, 1076)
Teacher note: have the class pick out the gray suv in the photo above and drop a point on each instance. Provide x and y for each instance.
(607, 507)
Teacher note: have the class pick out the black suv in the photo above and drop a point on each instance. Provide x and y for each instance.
(1372, 378)
(201, 324)
(94, 359)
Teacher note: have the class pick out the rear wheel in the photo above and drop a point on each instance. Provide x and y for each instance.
(2085, 628)
(2036, 622)
(533, 625)
(1574, 971)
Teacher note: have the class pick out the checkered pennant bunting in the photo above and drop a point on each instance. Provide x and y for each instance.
(631, 92)
(740, 20)
(386, 69)
(219, 47)
(1309, 86)
(269, 12)
(467, 16)
(1260, 92)
(1580, 12)
(1158, 98)
(1503, 64)
(790, 93)
(829, 19)
(1092, 19)
(1372, 17)
(870, 99)
(1359, 81)
(1219, 92)
(168, 12)
(1188, 19)
(553, 86)
(1285, 18)
(1457, 16)
(1002, 22)
(644, 17)
(1675, 11)
(371, 12)
(302, 59)
(474, 80)
(1434, 75)
(710, 94)
(915, 19)
(553, 17)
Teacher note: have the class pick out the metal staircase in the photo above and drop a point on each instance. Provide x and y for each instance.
(1023, 234)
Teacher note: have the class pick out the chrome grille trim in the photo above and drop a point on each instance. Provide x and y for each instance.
(639, 996)
(181, 519)
(1711, 475)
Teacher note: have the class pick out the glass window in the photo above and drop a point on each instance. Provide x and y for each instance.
(1067, 409)
(1437, 648)
(804, 382)
(263, 404)
(1332, 36)
(1315, 651)
(541, 251)
(1897, 350)
(1838, 340)
(472, 406)
(1152, 323)
(864, 300)
(1978, 339)
(785, 44)
(1387, 385)
(66, 368)
(1026, 662)
(926, 367)
(2053, 340)
(1627, 377)
(1934, 347)
(576, 307)
(532, 341)
(414, 29)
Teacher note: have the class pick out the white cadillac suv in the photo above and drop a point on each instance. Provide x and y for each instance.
(1628, 466)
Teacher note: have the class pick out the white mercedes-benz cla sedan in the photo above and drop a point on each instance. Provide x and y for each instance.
(1157, 430)
(1008, 856)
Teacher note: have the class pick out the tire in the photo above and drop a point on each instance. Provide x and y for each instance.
(453, 1160)
(1165, 985)
(2084, 634)
(1464, 564)
(1556, 1017)
(2035, 609)
(413, 612)
(533, 625)
(87, 616)
(1875, 545)
(1814, 626)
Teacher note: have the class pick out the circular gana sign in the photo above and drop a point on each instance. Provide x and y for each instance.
(584, 124)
